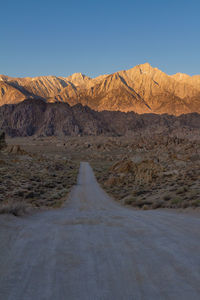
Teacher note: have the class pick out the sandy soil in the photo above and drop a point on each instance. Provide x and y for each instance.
(93, 248)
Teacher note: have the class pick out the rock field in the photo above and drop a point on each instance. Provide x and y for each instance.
(160, 172)
(147, 171)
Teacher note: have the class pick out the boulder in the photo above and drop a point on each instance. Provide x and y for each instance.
(16, 149)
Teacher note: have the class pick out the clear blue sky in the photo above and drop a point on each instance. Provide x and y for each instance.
(96, 37)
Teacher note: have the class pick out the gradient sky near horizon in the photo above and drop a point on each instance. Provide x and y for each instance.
(98, 37)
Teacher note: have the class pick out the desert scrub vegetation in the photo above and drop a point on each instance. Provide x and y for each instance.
(157, 174)
(35, 180)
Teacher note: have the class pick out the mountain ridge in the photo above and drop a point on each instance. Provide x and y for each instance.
(142, 89)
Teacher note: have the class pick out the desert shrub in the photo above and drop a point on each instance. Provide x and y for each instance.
(166, 197)
(196, 203)
(18, 208)
(193, 194)
(176, 200)
(180, 191)
(158, 204)
(145, 207)
(140, 192)
(129, 200)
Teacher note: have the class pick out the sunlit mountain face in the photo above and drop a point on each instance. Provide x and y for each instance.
(142, 89)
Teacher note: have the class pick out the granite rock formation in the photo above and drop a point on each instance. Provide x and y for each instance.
(36, 117)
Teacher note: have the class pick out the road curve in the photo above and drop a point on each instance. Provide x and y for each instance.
(94, 249)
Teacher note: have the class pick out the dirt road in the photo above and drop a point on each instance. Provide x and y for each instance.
(94, 249)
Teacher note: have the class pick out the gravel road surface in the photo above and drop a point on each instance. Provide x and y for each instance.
(95, 249)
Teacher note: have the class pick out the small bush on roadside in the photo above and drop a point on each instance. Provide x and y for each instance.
(129, 200)
(15, 208)
(176, 200)
(166, 197)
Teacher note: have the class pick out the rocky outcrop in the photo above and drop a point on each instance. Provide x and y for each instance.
(153, 171)
(35, 117)
(2, 140)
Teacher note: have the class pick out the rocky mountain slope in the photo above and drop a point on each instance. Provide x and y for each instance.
(35, 117)
(10, 94)
(142, 89)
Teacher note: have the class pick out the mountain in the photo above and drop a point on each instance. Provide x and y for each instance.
(163, 93)
(110, 93)
(79, 79)
(142, 89)
(192, 80)
(10, 94)
(43, 86)
(38, 118)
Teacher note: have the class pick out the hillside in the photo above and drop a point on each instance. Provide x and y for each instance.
(35, 117)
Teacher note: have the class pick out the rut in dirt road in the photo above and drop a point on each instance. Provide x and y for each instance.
(94, 249)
